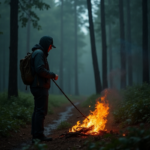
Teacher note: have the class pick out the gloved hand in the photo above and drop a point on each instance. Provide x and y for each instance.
(56, 77)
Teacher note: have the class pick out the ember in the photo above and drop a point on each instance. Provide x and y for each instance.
(97, 119)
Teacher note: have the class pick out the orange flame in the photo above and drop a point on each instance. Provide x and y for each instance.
(97, 118)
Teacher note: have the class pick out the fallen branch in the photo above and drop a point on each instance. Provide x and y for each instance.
(82, 131)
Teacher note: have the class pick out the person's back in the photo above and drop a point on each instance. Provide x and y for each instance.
(40, 69)
(41, 84)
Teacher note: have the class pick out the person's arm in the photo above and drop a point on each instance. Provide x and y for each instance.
(39, 66)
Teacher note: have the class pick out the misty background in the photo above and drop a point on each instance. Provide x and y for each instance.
(67, 22)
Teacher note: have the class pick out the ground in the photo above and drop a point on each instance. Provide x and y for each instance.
(23, 135)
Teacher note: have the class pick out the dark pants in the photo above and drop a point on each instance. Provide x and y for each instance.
(40, 110)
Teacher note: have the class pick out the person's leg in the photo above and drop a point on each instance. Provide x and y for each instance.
(40, 113)
(40, 110)
(33, 118)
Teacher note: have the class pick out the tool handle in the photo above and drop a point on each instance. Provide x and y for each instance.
(69, 99)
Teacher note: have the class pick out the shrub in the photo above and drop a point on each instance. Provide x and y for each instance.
(136, 106)
(134, 139)
(14, 113)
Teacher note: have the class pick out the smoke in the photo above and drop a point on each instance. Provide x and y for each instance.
(115, 76)
(114, 98)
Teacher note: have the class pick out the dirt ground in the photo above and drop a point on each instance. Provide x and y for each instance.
(24, 135)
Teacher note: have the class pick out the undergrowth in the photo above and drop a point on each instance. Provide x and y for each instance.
(17, 111)
(36, 146)
(135, 139)
(14, 112)
(135, 107)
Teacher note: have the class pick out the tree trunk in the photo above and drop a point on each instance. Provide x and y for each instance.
(69, 79)
(61, 46)
(4, 66)
(130, 80)
(1, 75)
(122, 46)
(110, 52)
(93, 49)
(110, 55)
(104, 48)
(13, 54)
(145, 42)
(76, 51)
(28, 38)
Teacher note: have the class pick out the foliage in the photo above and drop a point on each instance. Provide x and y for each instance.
(14, 113)
(26, 12)
(64, 125)
(135, 108)
(134, 139)
(37, 145)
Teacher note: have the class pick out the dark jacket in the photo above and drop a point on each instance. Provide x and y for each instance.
(40, 68)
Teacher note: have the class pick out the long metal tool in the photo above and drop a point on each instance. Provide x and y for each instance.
(70, 100)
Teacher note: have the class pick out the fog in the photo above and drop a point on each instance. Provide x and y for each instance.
(51, 25)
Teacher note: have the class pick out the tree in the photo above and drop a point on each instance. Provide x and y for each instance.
(61, 46)
(130, 80)
(76, 49)
(110, 50)
(145, 42)
(0, 17)
(93, 49)
(104, 48)
(13, 59)
(28, 35)
(4, 67)
(122, 45)
(28, 32)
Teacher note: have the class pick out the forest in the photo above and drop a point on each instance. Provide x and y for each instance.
(102, 51)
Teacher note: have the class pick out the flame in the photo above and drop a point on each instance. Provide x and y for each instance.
(97, 118)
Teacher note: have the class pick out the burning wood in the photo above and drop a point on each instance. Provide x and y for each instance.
(97, 119)
(82, 131)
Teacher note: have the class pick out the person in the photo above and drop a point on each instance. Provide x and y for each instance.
(40, 86)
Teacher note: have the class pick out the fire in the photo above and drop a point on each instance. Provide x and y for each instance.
(97, 118)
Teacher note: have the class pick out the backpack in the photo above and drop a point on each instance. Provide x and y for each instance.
(25, 69)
